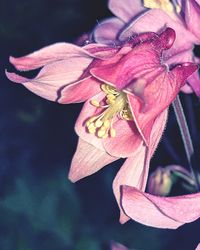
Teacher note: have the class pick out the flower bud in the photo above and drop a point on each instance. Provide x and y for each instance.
(160, 182)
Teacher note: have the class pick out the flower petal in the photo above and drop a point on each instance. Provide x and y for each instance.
(135, 170)
(53, 77)
(147, 23)
(192, 17)
(87, 160)
(125, 9)
(106, 31)
(198, 247)
(79, 91)
(125, 142)
(49, 54)
(87, 112)
(160, 212)
(117, 246)
(194, 82)
(157, 96)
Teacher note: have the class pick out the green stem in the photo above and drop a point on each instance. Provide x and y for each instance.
(186, 137)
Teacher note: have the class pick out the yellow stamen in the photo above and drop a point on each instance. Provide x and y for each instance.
(117, 104)
(165, 5)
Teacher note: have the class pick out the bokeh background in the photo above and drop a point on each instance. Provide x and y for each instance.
(39, 208)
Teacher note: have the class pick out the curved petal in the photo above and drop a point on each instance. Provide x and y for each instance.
(135, 170)
(106, 31)
(146, 23)
(87, 160)
(53, 76)
(192, 17)
(125, 142)
(160, 212)
(79, 91)
(49, 54)
(125, 9)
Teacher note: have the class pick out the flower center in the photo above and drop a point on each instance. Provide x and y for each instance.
(116, 104)
(165, 5)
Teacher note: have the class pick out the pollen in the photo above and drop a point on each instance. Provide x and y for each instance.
(116, 104)
(165, 5)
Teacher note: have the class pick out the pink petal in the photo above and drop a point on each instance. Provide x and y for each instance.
(194, 82)
(49, 54)
(160, 212)
(192, 17)
(87, 160)
(87, 112)
(53, 77)
(122, 145)
(157, 96)
(135, 170)
(121, 69)
(146, 23)
(125, 142)
(107, 30)
(117, 246)
(125, 9)
(198, 247)
(79, 91)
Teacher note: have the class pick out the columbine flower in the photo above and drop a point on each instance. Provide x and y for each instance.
(127, 90)
(136, 16)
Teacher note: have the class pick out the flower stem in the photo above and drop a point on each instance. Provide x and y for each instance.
(186, 137)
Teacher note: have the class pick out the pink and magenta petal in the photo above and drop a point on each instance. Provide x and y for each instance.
(79, 91)
(87, 160)
(192, 17)
(53, 77)
(160, 212)
(156, 20)
(126, 9)
(49, 54)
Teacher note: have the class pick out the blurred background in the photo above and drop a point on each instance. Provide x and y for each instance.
(39, 208)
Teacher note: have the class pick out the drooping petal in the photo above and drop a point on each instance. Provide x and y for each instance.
(53, 77)
(135, 170)
(87, 160)
(106, 31)
(192, 17)
(160, 212)
(126, 9)
(156, 20)
(49, 54)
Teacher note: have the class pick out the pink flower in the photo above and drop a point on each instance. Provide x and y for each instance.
(160, 212)
(118, 246)
(136, 16)
(126, 89)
